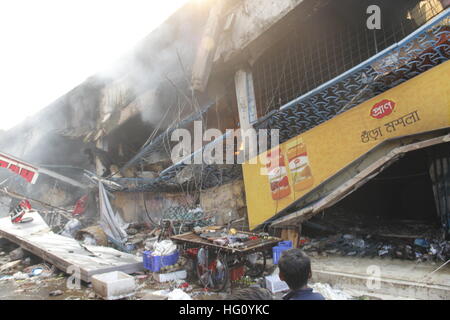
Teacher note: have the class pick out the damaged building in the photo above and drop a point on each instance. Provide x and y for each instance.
(363, 117)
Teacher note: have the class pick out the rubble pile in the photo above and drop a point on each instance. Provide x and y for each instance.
(373, 246)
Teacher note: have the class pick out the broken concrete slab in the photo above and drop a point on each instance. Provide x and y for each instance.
(67, 254)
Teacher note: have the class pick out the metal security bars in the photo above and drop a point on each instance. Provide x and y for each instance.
(328, 44)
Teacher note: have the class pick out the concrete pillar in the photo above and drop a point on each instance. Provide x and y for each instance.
(100, 168)
(207, 49)
(246, 100)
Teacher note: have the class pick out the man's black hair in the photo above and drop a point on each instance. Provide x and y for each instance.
(295, 266)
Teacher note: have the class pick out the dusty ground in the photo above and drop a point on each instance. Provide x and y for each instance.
(41, 287)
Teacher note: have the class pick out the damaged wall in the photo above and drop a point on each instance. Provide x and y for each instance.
(132, 209)
(216, 202)
(223, 200)
(249, 20)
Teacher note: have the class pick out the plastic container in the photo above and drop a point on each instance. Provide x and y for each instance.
(155, 263)
(278, 250)
(113, 285)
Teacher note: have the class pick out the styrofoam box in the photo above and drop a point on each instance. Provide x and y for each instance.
(275, 285)
(172, 276)
(113, 285)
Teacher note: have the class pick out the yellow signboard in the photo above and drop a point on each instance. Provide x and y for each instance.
(304, 162)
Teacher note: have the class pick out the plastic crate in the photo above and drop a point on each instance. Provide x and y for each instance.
(285, 244)
(155, 263)
(278, 250)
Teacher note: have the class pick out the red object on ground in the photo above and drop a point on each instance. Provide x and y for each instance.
(23, 207)
(253, 238)
(302, 241)
(237, 273)
(80, 206)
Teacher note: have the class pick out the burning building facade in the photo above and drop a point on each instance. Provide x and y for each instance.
(362, 113)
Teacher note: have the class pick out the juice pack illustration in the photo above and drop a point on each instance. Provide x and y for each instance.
(277, 173)
(299, 166)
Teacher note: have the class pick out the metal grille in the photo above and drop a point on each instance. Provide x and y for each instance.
(327, 45)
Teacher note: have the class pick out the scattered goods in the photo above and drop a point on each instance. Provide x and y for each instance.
(155, 263)
(373, 246)
(330, 293)
(178, 294)
(42, 270)
(65, 252)
(164, 248)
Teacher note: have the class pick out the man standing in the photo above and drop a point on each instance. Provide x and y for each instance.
(295, 270)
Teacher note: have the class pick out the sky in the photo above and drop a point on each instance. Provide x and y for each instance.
(48, 47)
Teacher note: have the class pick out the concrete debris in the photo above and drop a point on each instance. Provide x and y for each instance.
(17, 254)
(178, 294)
(56, 293)
(9, 265)
(152, 296)
(71, 228)
(93, 235)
